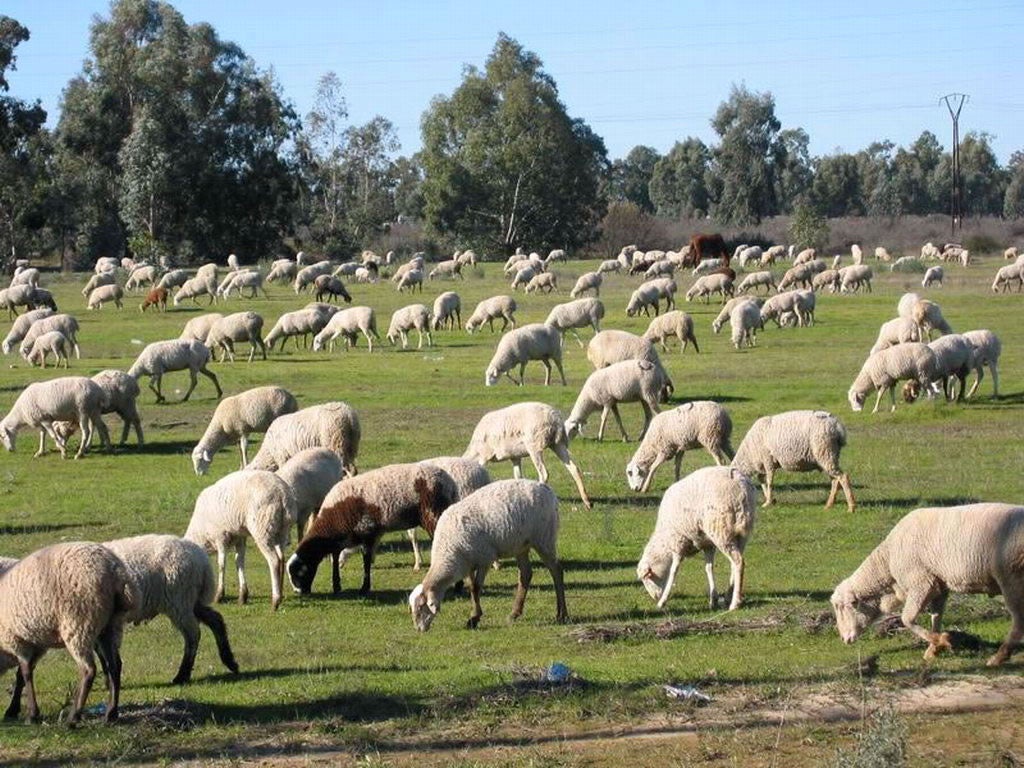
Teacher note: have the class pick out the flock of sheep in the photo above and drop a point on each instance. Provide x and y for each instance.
(305, 476)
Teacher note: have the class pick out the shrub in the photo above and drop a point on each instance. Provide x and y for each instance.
(809, 228)
(881, 744)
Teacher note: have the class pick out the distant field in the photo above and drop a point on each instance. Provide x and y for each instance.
(352, 672)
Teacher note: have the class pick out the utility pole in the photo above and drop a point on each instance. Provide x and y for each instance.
(954, 103)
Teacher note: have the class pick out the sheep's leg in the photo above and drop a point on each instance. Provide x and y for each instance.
(538, 463)
(604, 420)
(578, 339)
(132, 419)
(475, 585)
(243, 587)
(42, 444)
(337, 561)
(844, 480)
(993, 368)
(1013, 596)
(86, 675)
(154, 384)
(368, 548)
(878, 398)
(736, 576)
(517, 467)
(275, 561)
(574, 471)
(14, 708)
(917, 598)
(769, 476)
(193, 380)
(85, 425)
(212, 377)
(709, 571)
(670, 580)
(649, 411)
(525, 578)
(99, 425)
(614, 407)
(215, 622)
(25, 671)
(222, 561)
(107, 647)
(550, 561)
(937, 608)
(547, 371)
(417, 560)
(243, 444)
(188, 625)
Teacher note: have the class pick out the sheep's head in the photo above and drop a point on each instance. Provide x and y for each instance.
(856, 400)
(201, 460)
(635, 476)
(491, 376)
(653, 573)
(7, 347)
(7, 435)
(911, 391)
(301, 574)
(853, 613)
(573, 427)
(424, 607)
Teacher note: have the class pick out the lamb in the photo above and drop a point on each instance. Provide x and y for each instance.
(162, 357)
(930, 552)
(68, 398)
(1011, 273)
(106, 293)
(708, 284)
(711, 508)
(795, 441)
(248, 502)
(666, 288)
(647, 295)
(536, 341)
(348, 323)
(359, 510)
(282, 269)
(755, 280)
(236, 417)
(588, 281)
(194, 287)
(305, 276)
(625, 382)
(883, 369)
(447, 270)
(897, 331)
(251, 279)
(311, 474)
(800, 274)
(675, 323)
(580, 313)
(333, 425)
(745, 320)
(507, 518)
(524, 429)
(66, 324)
(729, 306)
(103, 278)
(198, 328)
(301, 322)
(141, 276)
(854, 277)
(72, 595)
(173, 577)
(155, 297)
(367, 274)
(410, 280)
(701, 423)
(173, 279)
(932, 276)
(545, 281)
(332, 288)
(987, 349)
(412, 317)
(490, 309)
(21, 325)
(229, 280)
(774, 253)
(447, 311)
(52, 342)
(613, 346)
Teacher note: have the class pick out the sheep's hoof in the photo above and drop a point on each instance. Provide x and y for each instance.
(472, 623)
(111, 717)
(243, 597)
(996, 659)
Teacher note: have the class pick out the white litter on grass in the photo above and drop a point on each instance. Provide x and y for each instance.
(686, 693)
(139, 342)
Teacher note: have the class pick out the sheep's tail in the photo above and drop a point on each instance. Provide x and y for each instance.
(127, 597)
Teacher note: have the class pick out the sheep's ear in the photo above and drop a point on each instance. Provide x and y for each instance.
(433, 606)
(207, 457)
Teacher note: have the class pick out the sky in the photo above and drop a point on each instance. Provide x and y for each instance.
(638, 72)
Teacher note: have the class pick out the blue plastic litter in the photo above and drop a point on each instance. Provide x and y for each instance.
(557, 673)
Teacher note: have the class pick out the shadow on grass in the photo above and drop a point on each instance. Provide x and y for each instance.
(945, 501)
(642, 501)
(18, 530)
(1004, 401)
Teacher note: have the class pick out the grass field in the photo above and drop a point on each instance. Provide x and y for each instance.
(352, 672)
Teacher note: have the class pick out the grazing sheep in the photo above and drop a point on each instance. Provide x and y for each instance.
(666, 288)
(883, 369)
(755, 280)
(932, 276)
(65, 324)
(233, 262)
(311, 474)
(42, 403)
(245, 503)
(16, 296)
(708, 284)
(675, 323)
(173, 279)
(141, 276)
(706, 265)
(953, 354)
(1011, 273)
(194, 287)
(626, 382)
(507, 518)
(796, 276)
(307, 275)
(155, 297)
(241, 326)
(1010, 253)
(647, 295)
(745, 320)
(359, 510)
(801, 303)
(545, 281)
(536, 341)
(588, 281)
(524, 429)
(282, 269)
(238, 416)
(987, 349)
(348, 323)
(882, 254)
(854, 277)
(173, 577)
(702, 423)
(411, 280)
(447, 270)
(795, 441)
(104, 294)
(328, 425)
(580, 313)
(609, 265)
(332, 288)
(412, 317)
(729, 306)
(490, 309)
(524, 276)
(806, 255)
(74, 596)
(660, 268)
(21, 326)
(162, 357)
(120, 391)
(198, 328)
(613, 346)
(830, 279)
(52, 342)
(103, 278)
(900, 330)
(251, 279)
(750, 255)
(930, 552)
(929, 318)
(710, 509)
(447, 311)
(292, 325)
(774, 253)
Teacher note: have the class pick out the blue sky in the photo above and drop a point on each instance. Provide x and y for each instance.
(639, 73)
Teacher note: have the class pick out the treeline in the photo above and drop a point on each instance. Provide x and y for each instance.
(173, 143)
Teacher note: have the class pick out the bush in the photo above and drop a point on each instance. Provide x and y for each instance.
(979, 244)
(881, 744)
(809, 228)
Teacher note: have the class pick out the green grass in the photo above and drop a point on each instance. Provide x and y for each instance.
(353, 671)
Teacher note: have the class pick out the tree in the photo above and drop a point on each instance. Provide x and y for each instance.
(678, 183)
(793, 174)
(836, 190)
(1013, 200)
(367, 162)
(505, 165)
(408, 186)
(631, 177)
(984, 182)
(320, 148)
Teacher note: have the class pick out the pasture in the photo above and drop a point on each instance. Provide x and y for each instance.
(351, 674)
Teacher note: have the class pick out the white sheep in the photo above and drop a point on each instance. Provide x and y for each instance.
(66, 324)
(660, 268)
(953, 355)
(675, 323)
(241, 326)
(830, 279)
(237, 417)
(795, 276)
(291, 325)
(251, 279)
(1010, 253)
(506, 518)
(106, 264)
(144, 275)
(882, 254)
(899, 330)
(307, 275)
(647, 295)
(447, 312)
(488, 310)
(74, 596)
(710, 509)
(806, 255)
(588, 281)
(208, 272)
(233, 262)
(42, 403)
(773, 254)
(795, 441)
(1006, 276)
(629, 381)
(173, 279)
(412, 317)
(21, 325)
(106, 293)
(520, 430)
(858, 255)
(729, 306)
(311, 474)
(613, 346)
(103, 278)
(883, 369)
(854, 277)
(333, 425)
(987, 349)
(580, 313)
(194, 287)
(932, 276)
(930, 552)
(927, 315)
(608, 265)
(750, 255)
(701, 423)
(52, 342)
(411, 280)
(173, 577)
(744, 321)
(524, 275)
(801, 303)
(545, 281)
(706, 265)
(755, 280)
(282, 269)
(26, 276)
(536, 341)
(162, 357)
(120, 391)
(446, 270)
(348, 323)
(719, 283)
(198, 328)
(245, 503)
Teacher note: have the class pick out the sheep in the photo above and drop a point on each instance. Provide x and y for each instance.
(536, 341)
(241, 326)
(580, 313)
(609, 265)
(173, 577)
(305, 276)
(830, 278)
(106, 264)
(858, 255)
(155, 297)
(1011, 273)
(613, 346)
(404, 269)
(68, 398)
(796, 276)
(675, 323)
(729, 306)
(141, 276)
(411, 280)
(800, 303)
(194, 287)
(490, 309)
(238, 416)
(66, 324)
(29, 276)
(106, 293)
(507, 518)
(302, 259)
(710, 509)
(348, 323)
(207, 272)
(660, 268)
(524, 276)
(524, 429)
(311, 474)
(701, 423)
(225, 285)
(588, 281)
(806, 255)
(751, 254)
(40, 297)
(198, 328)
(882, 254)
(412, 317)
(120, 391)
(929, 318)
(173, 279)
(358, 510)
(953, 354)
(233, 264)
(291, 325)
(447, 311)
(930, 552)
(931, 276)
(625, 382)
(333, 425)
(545, 281)
(72, 595)
(666, 288)
(884, 368)
(251, 279)
(447, 270)
(854, 277)
(52, 342)
(332, 288)
(774, 253)
(708, 284)
(282, 269)
(986, 351)
(795, 441)
(245, 503)
(1010, 253)
(897, 331)
(162, 357)
(706, 265)
(745, 320)
(645, 296)
(103, 278)
(755, 280)
(20, 327)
